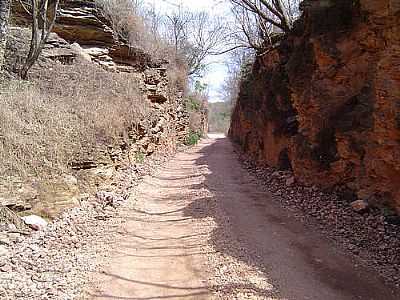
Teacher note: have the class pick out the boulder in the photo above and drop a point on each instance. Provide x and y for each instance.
(3, 251)
(35, 222)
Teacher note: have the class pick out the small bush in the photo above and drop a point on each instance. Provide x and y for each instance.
(139, 157)
(192, 138)
(193, 104)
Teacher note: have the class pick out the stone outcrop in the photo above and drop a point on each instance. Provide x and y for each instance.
(325, 101)
(82, 23)
(82, 33)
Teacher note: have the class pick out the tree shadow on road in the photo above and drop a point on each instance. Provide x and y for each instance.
(242, 261)
(176, 292)
(238, 285)
(248, 245)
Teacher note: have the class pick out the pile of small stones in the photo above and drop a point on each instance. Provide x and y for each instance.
(369, 235)
(55, 263)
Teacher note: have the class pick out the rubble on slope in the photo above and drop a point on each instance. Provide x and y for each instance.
(56, 262)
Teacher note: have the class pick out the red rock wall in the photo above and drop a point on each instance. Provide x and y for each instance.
(326, 103)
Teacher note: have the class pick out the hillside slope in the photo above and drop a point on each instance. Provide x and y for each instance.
(94, 104)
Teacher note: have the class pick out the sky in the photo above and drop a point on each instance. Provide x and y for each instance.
(216, 71)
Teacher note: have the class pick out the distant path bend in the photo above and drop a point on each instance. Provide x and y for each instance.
(202, 229)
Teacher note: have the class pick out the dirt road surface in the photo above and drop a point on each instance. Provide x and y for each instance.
(202, 229)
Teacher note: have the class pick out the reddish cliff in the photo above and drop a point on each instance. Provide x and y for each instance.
(326, 102)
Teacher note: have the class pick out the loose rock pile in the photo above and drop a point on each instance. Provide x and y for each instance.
(54, 263)
(368, 234)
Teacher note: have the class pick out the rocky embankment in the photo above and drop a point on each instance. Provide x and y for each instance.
(57, 261)
(83, 35)
(324, 102)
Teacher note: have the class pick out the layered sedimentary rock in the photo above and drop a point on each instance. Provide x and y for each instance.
(82, 22)
(83, 36)
(326, 101)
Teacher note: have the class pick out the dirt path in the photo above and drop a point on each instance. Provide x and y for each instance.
(202, 229)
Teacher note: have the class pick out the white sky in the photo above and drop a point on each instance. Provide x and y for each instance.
(191, 4)
(216, 71)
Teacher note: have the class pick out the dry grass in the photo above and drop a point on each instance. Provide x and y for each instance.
(135, 25)
(69, 110)
(125, 19)
(142, 28)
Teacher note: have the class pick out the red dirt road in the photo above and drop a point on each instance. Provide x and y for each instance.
(203, 229)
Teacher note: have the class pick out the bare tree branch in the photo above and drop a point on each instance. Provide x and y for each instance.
(44, 15)
(194, 36)
(259, 19)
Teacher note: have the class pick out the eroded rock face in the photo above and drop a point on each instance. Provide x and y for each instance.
(82, 22)
(326, 102)
(83, 34)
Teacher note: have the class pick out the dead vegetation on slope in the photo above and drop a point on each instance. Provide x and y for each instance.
(91, 106)
(45, 123)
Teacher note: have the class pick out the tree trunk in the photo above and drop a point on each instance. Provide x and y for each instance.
(4, 17)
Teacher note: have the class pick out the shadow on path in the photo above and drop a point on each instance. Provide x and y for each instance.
(302, 263)
(251, 228)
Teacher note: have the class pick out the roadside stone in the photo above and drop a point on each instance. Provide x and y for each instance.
(3, 251)
(359, 206)
(35, 222)
(291, 180)
(6, 269)
(3, 261)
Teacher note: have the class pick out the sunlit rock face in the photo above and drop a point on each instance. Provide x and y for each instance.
(326, 102)
(83, 33)
(82, 22)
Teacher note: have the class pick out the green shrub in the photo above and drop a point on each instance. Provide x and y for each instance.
(193, 104)
(139, 157)
(192, 138)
